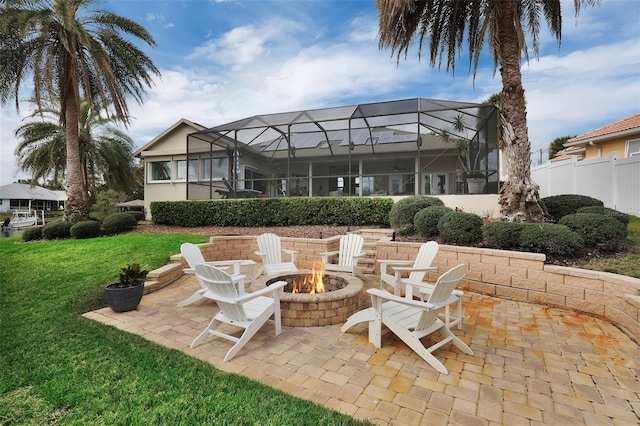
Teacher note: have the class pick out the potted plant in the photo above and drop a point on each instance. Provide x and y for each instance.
(125, 295)
(470, 163)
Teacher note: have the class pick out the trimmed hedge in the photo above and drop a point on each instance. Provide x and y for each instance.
(597, 230)
(460, 228)
(426, 220)
(622, 217)
(137, 215)
(403, 212)
(118, 222)
(503, 235)
(257, 212)
(57, 230)
(32, 234)
(550, 238)
(562, 205)
(86, 229)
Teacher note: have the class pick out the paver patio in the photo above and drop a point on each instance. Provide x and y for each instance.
(531, 364)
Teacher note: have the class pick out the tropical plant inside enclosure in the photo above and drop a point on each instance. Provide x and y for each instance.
(503, 26)
(72, 49)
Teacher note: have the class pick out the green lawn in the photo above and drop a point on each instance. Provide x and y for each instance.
(58, 367)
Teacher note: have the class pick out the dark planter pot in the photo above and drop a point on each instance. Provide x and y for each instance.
(123, 299)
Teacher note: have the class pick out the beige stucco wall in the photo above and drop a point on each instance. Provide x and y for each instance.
(609, 146)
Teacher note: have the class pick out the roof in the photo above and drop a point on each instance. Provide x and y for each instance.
(360, 128)
(132, 204)
(619, 128)
(182, 121)
(22, 191)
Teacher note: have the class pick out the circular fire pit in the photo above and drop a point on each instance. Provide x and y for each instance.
(342, 297)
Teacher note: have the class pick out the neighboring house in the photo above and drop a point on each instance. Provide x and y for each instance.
(377, 149)
(20, 196)
(621, 139)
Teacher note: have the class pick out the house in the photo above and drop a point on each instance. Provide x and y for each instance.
(621, 139)
(20, 196)
(388, 148)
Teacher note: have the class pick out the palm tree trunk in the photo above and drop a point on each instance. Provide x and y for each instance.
(77, 206)
(520, 198)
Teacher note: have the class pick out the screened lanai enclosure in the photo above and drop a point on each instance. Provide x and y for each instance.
(403, 147)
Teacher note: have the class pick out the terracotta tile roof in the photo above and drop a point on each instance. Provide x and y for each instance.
(570, 150)
(619, 126)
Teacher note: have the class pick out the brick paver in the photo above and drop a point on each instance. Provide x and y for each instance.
(531, 364)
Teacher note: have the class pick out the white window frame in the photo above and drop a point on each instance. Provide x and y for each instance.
(628, 148)
(150, 175)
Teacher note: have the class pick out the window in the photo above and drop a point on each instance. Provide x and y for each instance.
(181, 169)
(633, 148)
(215, 168)
(160, 171)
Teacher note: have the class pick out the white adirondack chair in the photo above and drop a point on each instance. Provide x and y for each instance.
(416, 269)
(248, 311)
(270, 251)
(411, 320)
(348, 255)
(193, 256)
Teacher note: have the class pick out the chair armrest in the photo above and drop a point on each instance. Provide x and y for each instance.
(292, 253)
(405, 269)
(382, 294)
(327, 254)
(271, 288)
(225, 264)
(384, 263)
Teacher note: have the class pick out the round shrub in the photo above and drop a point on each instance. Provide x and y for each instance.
(32, 234)
(118, 222)
(550, 238)
(460, 228)
(56, 230)
(137, 215)
(426, 220)
(622, 217)
(502, 235)
(86, 229)
(562, 205)
(403, 211)
(597, 230)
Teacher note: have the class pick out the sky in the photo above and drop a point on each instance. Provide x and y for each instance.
(222, 60)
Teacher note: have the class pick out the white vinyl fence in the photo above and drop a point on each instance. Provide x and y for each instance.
(616, 182)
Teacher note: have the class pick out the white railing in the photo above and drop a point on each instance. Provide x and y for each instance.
(616, 182)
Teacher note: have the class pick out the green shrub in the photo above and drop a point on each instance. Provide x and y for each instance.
(597, 230)
(502, 235)
(86, 229)
(460, 228)
(562, 205)
(56, 230)
(403, 212)
(426, 220)
(32, 234)
(137, 215)
(256, 212)
(550, 239)
(118, 222)
(622, 217)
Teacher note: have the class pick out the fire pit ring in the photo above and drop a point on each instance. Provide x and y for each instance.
(318, 309)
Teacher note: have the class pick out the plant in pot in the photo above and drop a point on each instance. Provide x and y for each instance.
(125, 295)
(470, 162)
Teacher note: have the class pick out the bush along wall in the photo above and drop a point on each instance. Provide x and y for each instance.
(256, 212)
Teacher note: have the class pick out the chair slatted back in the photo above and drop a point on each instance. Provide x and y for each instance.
(350, 245)
(425, 257)
(269, 244)
(221, 286)
(441, 292)
(191, 254)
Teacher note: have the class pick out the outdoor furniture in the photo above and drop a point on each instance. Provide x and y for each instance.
(231, 192)
(247, 311)
(411, 320)
(193, 256)
(348, 255)
(416, 269)
(270, 251)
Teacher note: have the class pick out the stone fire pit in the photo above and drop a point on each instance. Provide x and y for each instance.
(342, 298)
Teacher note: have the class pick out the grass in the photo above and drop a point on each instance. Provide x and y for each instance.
(58, 367)
(628, 264)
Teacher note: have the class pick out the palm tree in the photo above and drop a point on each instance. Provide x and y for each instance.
(105, 150)
(503, 25)
(72, 50)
